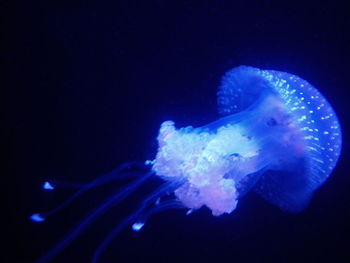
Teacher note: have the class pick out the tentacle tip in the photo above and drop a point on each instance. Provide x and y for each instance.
(137, 226)
(48, 186)
(37, 218)
(189, 212)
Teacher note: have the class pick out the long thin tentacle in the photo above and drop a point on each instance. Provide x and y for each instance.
(115, 174)
(133, 217)
(113, 200)
(169, 204)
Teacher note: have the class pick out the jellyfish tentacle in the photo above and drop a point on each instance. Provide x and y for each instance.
(134, 216)
(118, 173)
(169, 204)
(97, 212)
(53, 184)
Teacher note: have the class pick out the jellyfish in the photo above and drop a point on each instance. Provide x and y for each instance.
(277, 136)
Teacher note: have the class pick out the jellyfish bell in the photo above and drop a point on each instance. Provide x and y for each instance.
(277, 136)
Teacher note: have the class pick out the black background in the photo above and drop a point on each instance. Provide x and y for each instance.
(86, 86)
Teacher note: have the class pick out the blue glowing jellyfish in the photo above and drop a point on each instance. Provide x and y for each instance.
(278, 136)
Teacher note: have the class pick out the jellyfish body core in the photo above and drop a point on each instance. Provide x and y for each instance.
(277, 136)
(215, 162)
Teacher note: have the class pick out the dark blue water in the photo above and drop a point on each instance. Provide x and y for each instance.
(87, 86)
